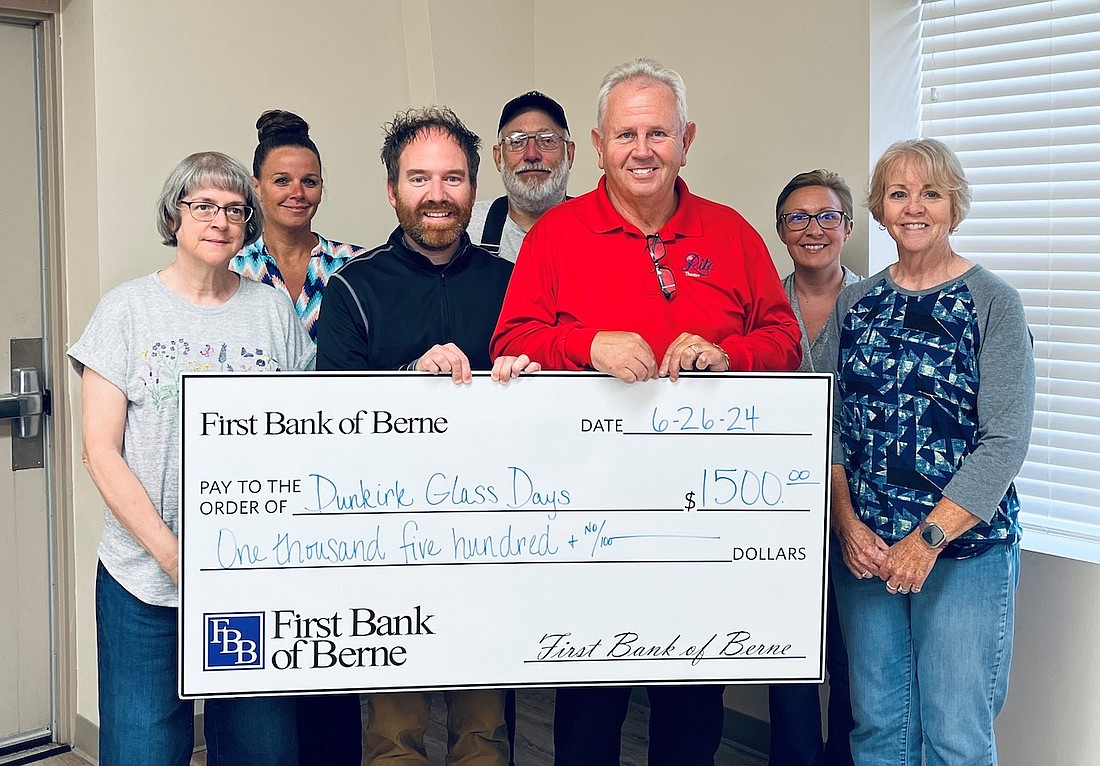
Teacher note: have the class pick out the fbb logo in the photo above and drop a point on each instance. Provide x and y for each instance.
(234, 640)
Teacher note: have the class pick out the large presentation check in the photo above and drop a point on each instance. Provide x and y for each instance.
(398, 531)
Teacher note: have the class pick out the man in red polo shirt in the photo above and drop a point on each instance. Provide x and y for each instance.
(642, 279)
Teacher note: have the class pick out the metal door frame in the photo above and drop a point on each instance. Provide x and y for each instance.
(45, 17)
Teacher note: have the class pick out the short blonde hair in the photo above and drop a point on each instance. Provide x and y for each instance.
(937, 163)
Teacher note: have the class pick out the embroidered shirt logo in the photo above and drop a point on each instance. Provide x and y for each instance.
(696, 265)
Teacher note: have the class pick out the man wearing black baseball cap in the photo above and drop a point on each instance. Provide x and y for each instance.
(533, 154)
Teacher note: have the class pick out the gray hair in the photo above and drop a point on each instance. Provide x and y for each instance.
(939, 165)
(206, 170)
(642, 69)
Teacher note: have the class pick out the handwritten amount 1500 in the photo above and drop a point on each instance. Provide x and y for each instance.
(696, 419)
(725, 485)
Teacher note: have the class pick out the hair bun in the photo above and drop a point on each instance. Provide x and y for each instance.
(274, 122)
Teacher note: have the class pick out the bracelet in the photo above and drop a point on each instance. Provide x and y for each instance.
(723, 354)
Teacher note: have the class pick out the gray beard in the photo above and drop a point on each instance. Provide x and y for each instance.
(540, 197)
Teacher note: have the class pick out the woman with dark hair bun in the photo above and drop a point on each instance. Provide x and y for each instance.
(290, 256)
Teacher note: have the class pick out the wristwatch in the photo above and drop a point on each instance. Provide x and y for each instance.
(932, 534)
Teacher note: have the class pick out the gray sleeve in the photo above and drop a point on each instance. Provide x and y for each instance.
(104, 344)
(477, 220)
(1006, 398)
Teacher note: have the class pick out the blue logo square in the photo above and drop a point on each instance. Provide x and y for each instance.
(234, 640)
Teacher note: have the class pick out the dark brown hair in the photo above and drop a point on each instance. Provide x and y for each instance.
(277, 128)
(819, 177)
(414, 123)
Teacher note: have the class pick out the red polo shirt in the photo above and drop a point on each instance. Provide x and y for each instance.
(583, 268)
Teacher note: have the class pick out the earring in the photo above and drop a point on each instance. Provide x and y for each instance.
(882, 227)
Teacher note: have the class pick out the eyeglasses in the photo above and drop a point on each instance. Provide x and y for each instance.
(208, 211)
(656, 249)
(517, 142)
(826, 219)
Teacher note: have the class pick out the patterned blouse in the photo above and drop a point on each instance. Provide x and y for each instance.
(255, 263)
(936, 392)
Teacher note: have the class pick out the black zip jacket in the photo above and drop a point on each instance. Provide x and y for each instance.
(386, 307)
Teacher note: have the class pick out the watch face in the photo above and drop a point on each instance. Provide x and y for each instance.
(933, 535)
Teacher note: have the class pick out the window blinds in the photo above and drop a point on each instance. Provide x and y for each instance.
(1014, 89)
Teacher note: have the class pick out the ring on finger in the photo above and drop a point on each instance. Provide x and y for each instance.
(695, 349)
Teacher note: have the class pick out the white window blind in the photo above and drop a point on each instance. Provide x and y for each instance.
(1014, 89)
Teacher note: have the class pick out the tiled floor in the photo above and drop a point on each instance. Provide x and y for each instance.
(534, 745)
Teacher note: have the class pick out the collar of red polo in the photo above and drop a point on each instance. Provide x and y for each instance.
(685, 222)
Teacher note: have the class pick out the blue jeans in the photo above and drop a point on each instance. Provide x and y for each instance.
(142, 721)
(795, 709)
(930, 670)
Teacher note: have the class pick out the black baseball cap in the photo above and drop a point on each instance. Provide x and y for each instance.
(532, 99)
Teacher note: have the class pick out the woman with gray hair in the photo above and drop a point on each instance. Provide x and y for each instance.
(193, 315)
(935, 390)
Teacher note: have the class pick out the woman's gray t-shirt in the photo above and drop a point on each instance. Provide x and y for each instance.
(141, 338)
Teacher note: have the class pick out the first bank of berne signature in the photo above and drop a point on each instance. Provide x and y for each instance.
(628, 645)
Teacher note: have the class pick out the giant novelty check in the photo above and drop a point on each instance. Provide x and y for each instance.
(397, 531)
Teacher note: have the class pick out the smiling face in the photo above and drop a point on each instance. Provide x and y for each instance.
(641, 144)
(534, 178)
(917, 214)
(814, 248)
(433, 195)
(209, 243)
(289, 187)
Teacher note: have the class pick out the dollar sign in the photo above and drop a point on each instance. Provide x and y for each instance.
(690, 505)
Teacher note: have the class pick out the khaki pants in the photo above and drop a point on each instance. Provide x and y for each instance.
(476, 735)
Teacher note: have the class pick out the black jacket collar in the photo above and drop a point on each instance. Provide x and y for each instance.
(420, 262)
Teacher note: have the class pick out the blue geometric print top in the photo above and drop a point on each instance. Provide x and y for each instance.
(255, 263)
(908, 381)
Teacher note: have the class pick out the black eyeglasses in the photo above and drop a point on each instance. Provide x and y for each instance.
(208, 211)
(665, 279)
(517, 142)
(826, 219)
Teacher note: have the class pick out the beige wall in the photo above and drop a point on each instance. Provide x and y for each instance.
(776, 88)
(171, 78)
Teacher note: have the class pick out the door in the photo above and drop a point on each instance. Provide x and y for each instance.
(27, 648)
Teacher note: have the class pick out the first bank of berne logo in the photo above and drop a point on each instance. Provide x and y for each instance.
(234, 640)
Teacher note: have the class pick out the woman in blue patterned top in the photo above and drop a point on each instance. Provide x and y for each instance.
(290, 256)
(935, 393)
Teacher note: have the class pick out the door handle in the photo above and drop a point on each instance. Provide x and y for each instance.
(25, 404)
